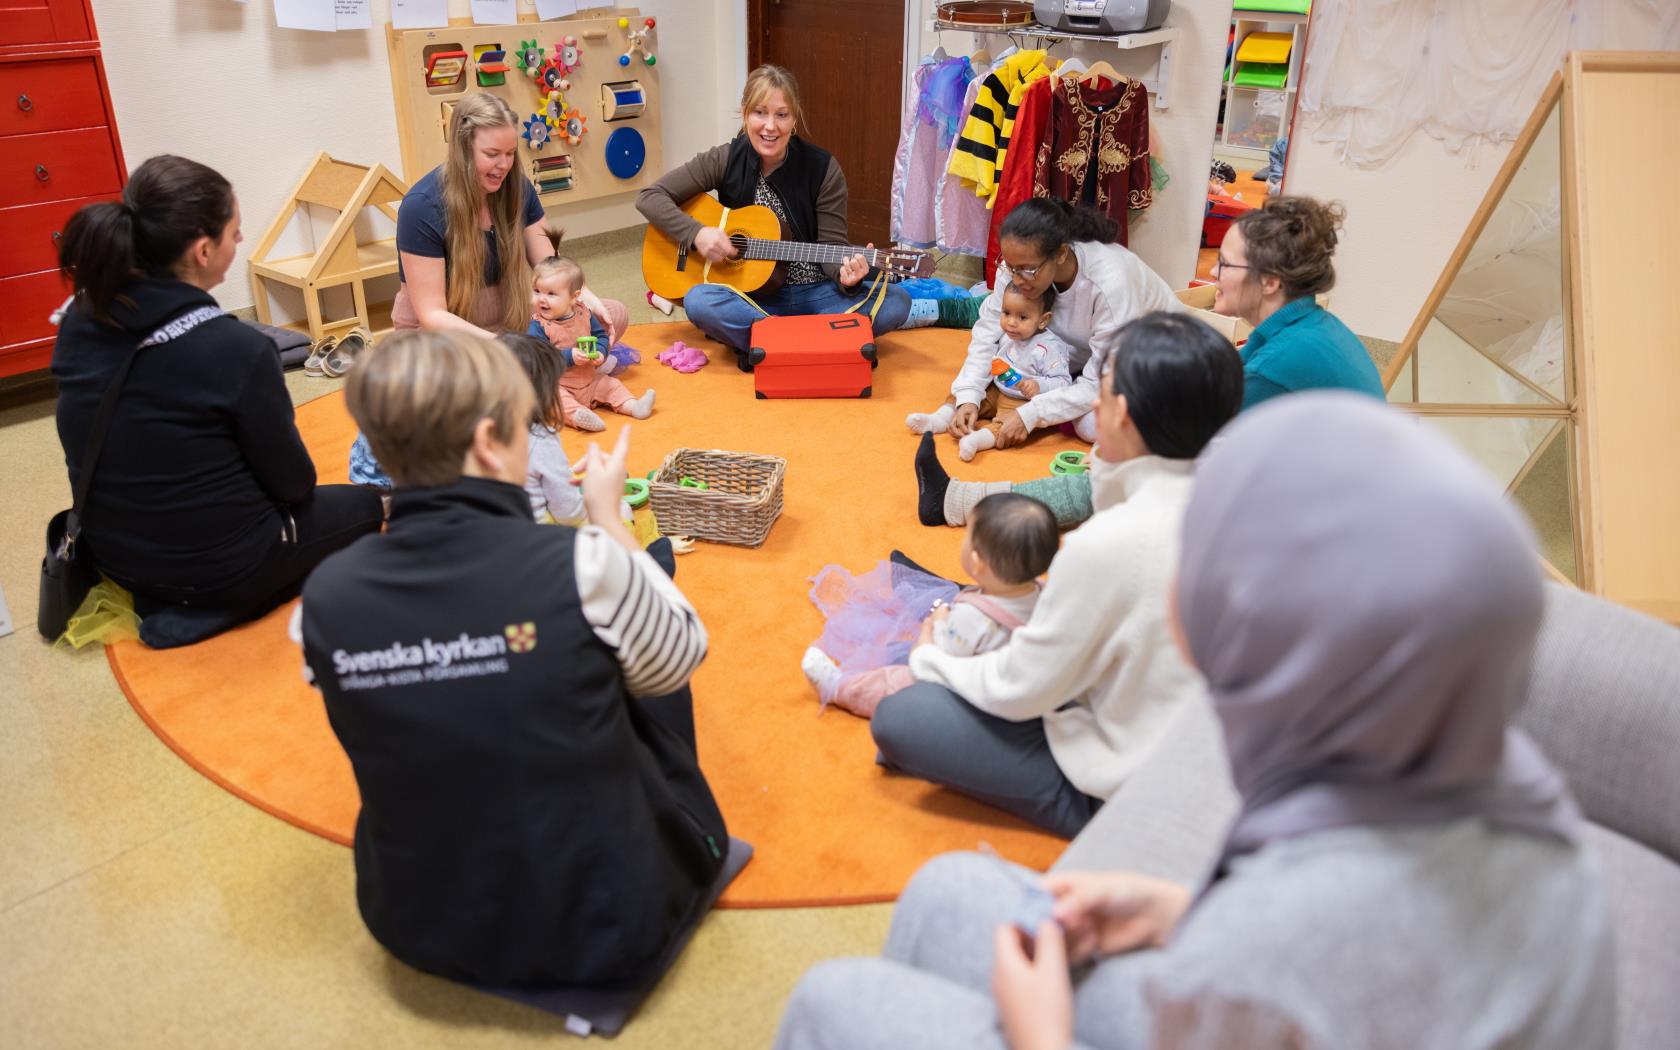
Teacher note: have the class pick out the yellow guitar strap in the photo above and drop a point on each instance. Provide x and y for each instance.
(706, 270)
(706, 273)
(877, 291)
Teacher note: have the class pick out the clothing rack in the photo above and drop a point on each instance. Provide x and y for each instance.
(1040, 36)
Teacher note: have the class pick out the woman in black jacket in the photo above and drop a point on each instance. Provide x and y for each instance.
(203, 501)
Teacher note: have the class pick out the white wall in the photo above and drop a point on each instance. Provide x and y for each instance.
(1168, 234)
(1405, 218)
(1403, 221)
(216, 81)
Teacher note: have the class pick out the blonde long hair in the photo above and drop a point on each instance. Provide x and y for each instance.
(462, 199)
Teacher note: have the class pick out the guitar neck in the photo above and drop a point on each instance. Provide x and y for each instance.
(793, 251)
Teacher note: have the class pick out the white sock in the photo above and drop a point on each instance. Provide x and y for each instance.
(585, 419)
(641, 408)
(822, 672)
(976, 442)
(1086, 427)
(923, 312)
(936, 422)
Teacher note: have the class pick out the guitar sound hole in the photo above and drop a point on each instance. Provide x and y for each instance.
(739, 240)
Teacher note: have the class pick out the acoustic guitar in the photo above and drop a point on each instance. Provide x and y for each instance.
(762, 265)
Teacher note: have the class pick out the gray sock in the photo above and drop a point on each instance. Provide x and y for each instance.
(961, 496)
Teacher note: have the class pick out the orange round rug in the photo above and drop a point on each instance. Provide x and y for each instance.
(829, 826)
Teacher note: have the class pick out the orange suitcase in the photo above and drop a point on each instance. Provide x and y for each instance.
(817, 355)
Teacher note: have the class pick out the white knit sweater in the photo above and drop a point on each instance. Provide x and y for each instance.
(1097, 660)
(1113, 287)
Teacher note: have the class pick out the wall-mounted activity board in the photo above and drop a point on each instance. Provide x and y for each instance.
(568, 80)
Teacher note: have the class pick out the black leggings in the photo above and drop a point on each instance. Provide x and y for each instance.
(331, 519)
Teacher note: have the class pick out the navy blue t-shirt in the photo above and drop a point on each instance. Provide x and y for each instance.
(422, 225)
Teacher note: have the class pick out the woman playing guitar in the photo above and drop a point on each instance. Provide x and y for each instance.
(767, 164)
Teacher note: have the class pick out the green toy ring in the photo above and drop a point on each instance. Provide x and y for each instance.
(1068, 463)
(635, 492)
(692, 483)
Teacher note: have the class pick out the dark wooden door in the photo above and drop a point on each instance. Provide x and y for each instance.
(849, 60)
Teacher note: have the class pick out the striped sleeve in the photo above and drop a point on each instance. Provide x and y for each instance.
(639, 613)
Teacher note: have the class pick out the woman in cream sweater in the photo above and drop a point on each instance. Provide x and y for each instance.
(1048, 726)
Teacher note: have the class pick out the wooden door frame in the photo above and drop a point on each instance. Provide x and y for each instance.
(909, 41)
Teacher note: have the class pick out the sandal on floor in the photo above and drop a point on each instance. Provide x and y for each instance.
(343, 355)
(318, 351)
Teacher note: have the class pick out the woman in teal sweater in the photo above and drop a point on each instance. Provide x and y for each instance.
(1272, 264)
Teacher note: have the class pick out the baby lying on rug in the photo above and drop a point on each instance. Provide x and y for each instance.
(557, 316)
(860, 657)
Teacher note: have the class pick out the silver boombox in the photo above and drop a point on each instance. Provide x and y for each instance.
(1105, 17)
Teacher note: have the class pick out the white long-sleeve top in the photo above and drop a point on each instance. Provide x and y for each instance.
(1043, 358)
(1097, 659)
(1113, 287)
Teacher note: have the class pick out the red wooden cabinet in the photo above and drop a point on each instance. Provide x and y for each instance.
(58, 151)
(44, 21)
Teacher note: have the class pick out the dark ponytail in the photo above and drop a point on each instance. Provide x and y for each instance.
(169, 203)
(1050, 223)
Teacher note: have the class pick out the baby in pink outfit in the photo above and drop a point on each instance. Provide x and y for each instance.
(558, 316)
(1010, 542)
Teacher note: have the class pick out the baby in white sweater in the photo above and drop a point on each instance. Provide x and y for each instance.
(1009, 543)
(1028, 360)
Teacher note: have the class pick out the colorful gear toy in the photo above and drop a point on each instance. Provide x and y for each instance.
(576, 125)
(552, 75)
(568, 54)
(530, 57)
(554, 109)
(537, 133)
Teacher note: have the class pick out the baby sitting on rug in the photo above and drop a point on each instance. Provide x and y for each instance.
(1009, 544)
(1029, 360)
(557, 316)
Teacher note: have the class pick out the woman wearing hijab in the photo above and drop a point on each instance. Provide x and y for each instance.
(1405, 869)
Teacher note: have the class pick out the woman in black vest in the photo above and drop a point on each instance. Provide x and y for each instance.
(767, 164)
(204, 501)
(513, 697)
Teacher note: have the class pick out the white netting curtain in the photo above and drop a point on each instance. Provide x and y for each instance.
(1463, 71)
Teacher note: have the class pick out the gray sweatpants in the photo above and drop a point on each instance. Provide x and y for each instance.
(930, 732)
(931, 989)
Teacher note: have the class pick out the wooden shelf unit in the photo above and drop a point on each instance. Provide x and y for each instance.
(341, 258)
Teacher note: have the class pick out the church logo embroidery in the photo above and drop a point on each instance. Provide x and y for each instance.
(522, 637)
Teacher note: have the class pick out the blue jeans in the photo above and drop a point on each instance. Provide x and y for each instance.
(727, 316)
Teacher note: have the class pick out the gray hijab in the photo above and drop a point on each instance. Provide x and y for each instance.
(1364, 606)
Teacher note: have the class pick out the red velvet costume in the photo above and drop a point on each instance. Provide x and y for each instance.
(1109, 123)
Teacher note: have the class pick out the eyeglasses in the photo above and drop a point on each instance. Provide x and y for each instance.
(1219, 264)
(1025, 273)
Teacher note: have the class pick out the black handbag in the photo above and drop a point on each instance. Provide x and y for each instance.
(67, 573)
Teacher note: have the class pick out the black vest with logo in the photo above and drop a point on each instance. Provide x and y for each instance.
(524, 821)
(797, 180)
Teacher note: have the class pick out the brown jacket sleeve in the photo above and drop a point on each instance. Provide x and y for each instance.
(661, 204)
(831, 212)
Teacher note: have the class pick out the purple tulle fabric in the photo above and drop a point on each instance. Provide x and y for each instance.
(942, 98)
(874, 619)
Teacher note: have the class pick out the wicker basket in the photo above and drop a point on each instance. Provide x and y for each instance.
(741, 501)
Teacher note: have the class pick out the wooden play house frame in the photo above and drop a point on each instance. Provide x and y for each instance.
(340, 258)
(1620, 371)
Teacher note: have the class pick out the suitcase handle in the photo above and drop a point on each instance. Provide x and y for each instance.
(841, 323)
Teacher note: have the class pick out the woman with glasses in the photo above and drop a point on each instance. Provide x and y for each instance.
(1099, 285)
(1275, 260)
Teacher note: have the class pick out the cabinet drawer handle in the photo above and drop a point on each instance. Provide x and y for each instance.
(58, 235)
(41, 173)
(25, 104)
